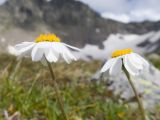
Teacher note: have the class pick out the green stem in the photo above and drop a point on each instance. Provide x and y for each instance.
(140, 104)
(56, 91)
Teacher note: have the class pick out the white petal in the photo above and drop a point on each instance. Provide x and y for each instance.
(69, 54)
(145, 63)
(51, 57)
(135, 61)
(130, 68)
(64, 52)
(67, 58)
(24, 49)
(65, 55)
(23, 45)
(116, 67)
(72, 47)
(57, 47)
(39, 50)
(56, 54)
(37, 54)
(107, 65)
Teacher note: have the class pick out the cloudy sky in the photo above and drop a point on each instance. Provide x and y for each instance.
(127, 10)
(2, 1)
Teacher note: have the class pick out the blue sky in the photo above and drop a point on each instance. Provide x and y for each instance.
(127, 10)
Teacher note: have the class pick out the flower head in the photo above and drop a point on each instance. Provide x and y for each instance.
(133, 62)
(118, 53)
(47, 38)
(47, 46)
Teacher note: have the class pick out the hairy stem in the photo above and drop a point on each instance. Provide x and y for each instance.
(58, 96)
(140, 104)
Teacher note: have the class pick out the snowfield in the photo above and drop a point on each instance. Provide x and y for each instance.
(121, 41)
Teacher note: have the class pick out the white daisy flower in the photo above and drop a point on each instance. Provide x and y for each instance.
(46, 45)
(133, 63)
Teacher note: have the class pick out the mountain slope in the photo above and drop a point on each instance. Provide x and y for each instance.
(73, 21)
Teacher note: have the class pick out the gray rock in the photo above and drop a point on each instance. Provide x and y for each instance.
(147, 85)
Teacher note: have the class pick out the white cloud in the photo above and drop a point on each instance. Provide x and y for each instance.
(119, 17)
(107, 5)
(127, 10)
(2, 1)
(135, 15)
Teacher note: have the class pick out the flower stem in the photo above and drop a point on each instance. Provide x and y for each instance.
(58, 96)
(140, 104)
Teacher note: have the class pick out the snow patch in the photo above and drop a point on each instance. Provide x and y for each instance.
(119, 41)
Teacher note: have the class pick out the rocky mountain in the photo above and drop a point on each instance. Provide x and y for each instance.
(73, 21)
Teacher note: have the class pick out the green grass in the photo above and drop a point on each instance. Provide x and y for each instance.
(27, 87)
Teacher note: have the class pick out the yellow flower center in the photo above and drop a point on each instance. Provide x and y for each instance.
(47, 38)
(118, 53)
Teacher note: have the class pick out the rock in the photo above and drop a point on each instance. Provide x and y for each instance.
(147, 85)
